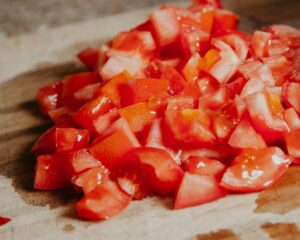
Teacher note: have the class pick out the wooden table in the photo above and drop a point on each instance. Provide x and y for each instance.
(30, 61)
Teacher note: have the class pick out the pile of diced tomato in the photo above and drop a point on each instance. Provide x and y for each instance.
(183, 105)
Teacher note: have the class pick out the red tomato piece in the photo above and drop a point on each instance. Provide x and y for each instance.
(236, 86)
(61, 114)
(104, 202)
(197, 189)
(166, 27)
(245, 136)
(213, 100)
(293, 145)
(4, 220)
(214, 3)
(259, 43)
(255, 170)
(204, 166)
(89, 179)
(57, 140)
(89, 57)
(161, 171)
(88, 92)
(292, 119)
(138, 116)
(224, 20)
(112, 149)
(291, 95)
(50, 173)
(132, 181)
(73, 83)
(140, 90)
(189, 127)
(191, 69)
(49, 97)
(271, 126)
(89, 112)
(110, 89)
(79, 161)
(103, 122)
(222, 126)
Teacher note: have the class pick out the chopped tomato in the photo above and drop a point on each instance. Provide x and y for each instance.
(291, 118)
(197, 189)
(191, 69)
(245, 136)
(4, 220)
(49, 173)
(49, 97)
(291, 95)
(224, 20)
(90, 178)
(104, 202)
(138, 116)
(161, 171)
(103, 122)
(57, 140)
(255, 170)
(259, 43)
(92, 110)
(292, 144)
(88, 92)
(189, 127)
(89, 57)
(140, 90)
(204, 166)
(112, 149)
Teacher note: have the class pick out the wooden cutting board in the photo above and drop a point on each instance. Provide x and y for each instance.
(28, 62)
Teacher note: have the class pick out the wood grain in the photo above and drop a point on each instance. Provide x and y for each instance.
(46, 58)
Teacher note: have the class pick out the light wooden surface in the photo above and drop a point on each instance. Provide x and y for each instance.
(30, 61)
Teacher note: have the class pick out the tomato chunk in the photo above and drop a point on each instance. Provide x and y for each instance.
(291, 95)
(197, 189)
(4, 220)
(50, 173)
(161, 171)
(255, 170)
(292, 145)
(49, 97)
(61, 140)
(104, 202)
(89, 57)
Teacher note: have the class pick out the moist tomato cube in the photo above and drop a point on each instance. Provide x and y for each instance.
(103, 122)
(73, 83)
(162, 173)
(138, 116)
(104, 202)
(204, 166)
(140, 90)
(197, 189)
(90, 178)
(191, 69)
(88, 92)
(89, 57)
(80, 160)
(49, 97)
(255, 170)
(293, 145)
(165, 26)
(112, 149)
(224, 20)
(89, 112)
(57, 140)
(50, 173)
(291, 95)
(292, 119)
(189, 127)
(4, 220)
(245, 136)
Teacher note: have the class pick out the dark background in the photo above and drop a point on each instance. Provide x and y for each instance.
(23, 16)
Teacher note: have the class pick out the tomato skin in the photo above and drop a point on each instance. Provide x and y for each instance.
(57, 140)
(292, 145)
(188, 127)
(225, 20)
(90, 178)
(244, 136)
(102, 123)
(78, 161)
(92, 110)
(255, 170)
(204, 166)
(4, 220)
(104, 202)
(113, 148)
(272, 127)
(162, 173)
(197, 189)
(89, 57)
(139, 116)
(49, 173)
(49, 97)
(73, 83)
(140, 90)
(291, 95)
